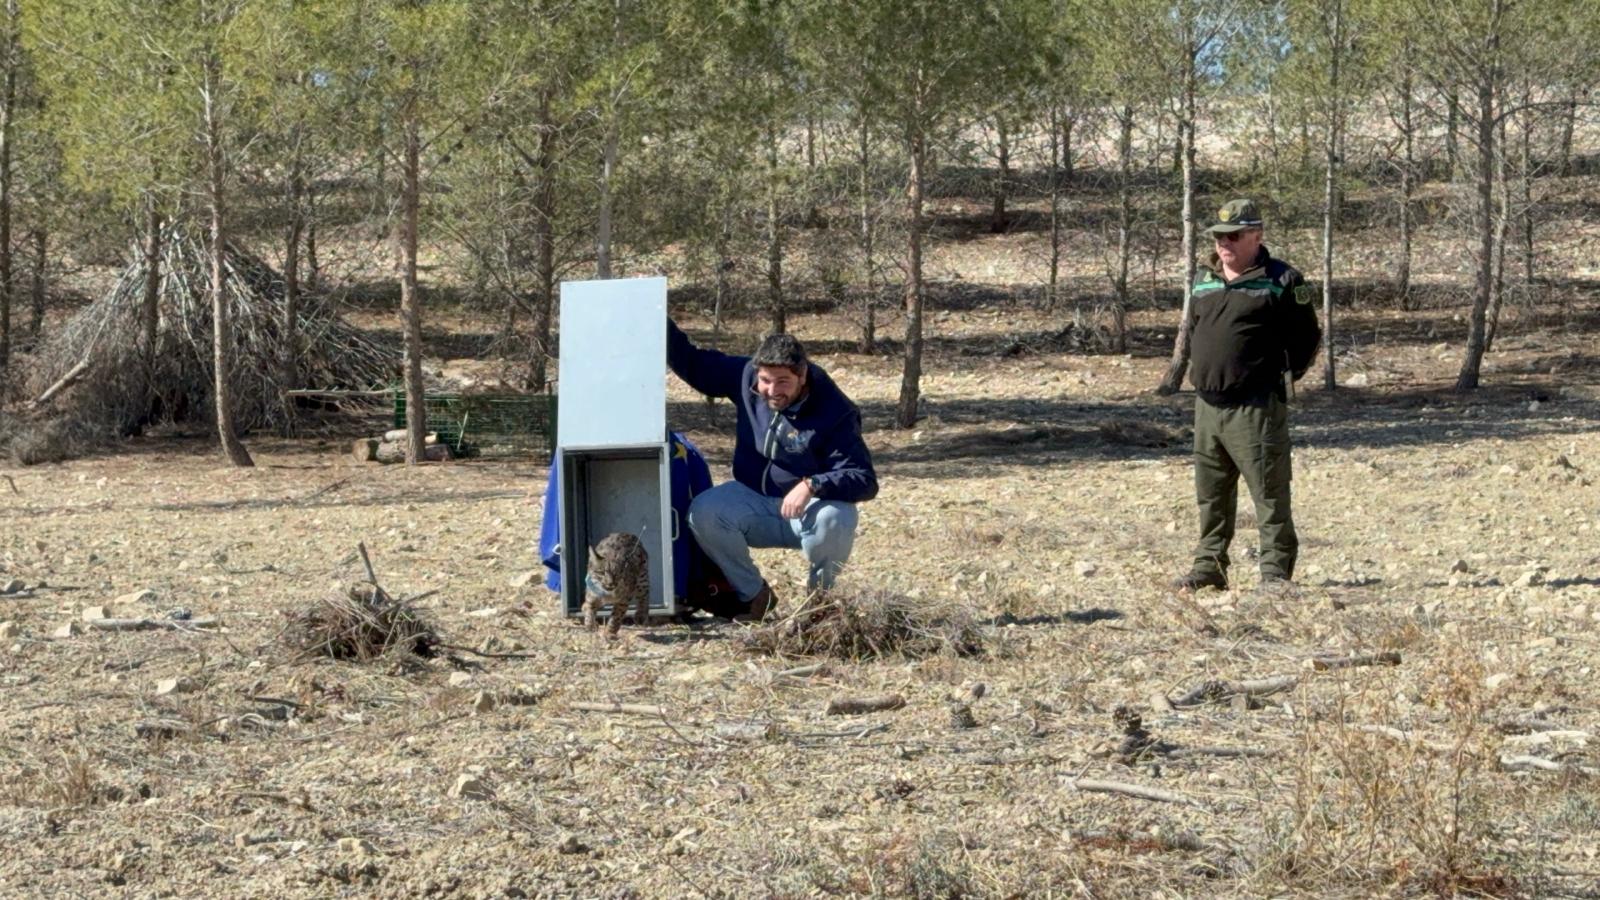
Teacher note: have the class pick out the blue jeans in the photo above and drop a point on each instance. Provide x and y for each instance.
(730, 518)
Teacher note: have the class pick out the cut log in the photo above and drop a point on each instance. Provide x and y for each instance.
(398, 436)
(202, 623)
(365, 450)
(389, 452)
(855, 706)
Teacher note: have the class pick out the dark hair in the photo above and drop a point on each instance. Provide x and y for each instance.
(781, 350)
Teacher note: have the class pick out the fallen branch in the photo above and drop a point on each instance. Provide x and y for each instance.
(204, 622)
(864, 731)
(1220, 691)
(855, 706)
(12, 483)
(73, 374)
(1403, 737)
(801, 671)
(1132, 790)
(1386, 658)
(1536, 763)
(632, 709)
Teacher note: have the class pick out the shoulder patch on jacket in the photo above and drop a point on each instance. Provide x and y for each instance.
(1303, 294)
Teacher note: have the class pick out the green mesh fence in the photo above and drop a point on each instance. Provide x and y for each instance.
(489, 424)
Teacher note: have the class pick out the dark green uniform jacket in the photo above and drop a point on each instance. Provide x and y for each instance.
(1245, 333)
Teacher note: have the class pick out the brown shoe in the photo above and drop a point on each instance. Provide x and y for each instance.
(1194, 581)
(763, 603)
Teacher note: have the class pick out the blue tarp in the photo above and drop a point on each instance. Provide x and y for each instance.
(690, 477)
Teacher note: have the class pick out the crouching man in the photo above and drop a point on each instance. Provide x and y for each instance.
(799, 464)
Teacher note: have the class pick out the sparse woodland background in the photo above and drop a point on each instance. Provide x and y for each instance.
(770, 156)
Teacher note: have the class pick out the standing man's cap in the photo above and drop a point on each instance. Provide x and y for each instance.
(1237, 215)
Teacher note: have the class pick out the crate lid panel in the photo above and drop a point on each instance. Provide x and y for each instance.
(613, 362)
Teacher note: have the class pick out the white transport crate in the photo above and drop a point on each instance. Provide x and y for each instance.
(611, 436)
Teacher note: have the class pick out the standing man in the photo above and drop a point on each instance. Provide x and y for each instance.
(799, 464)
(1253, 332)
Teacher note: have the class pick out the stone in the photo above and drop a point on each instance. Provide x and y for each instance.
(180, 685)
(483, 702)
(356, 846)
(1498, 679)
(144, 595)
(1357, 380)
(469, 787)
(569, 845)
(525, 579)
(460, 679)
(71, 629)
(1460, 565)
(12, 586)
(1531, 578)
(95, 613)
(10, 630)
(1085, 569)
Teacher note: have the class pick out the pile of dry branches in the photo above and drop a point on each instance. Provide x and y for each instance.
(869, 625)
(362, 623)
(106, 381)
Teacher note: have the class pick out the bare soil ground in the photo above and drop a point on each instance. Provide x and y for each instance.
(1457, 531)
(1046, 491)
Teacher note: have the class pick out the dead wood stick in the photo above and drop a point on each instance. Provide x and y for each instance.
(843, 733)
(855, 706)
(1512, 763)
(632, 709)
(486, 654)
(1217, 691)
(1386, 658)
(1132, 790)
(800, 671)
(12, 483)
(1225, 752)
(372, 577)
(151, 624)
(66, 380)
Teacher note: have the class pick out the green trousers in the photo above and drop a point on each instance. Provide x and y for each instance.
(1250, 440)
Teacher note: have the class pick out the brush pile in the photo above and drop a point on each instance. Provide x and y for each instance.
(105, 382)
(871, 624)
(361, 624)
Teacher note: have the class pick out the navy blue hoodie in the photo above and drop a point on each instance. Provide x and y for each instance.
(817, 435)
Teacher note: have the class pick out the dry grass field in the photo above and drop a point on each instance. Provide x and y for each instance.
(1448, 539)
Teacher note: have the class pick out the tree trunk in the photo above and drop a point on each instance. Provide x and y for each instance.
(410, 299)
(911, 377)
(1527, 193)
(544, 238)
(1472, 362)
(313, 277)
(40, 263)
(1408, 163)
(1569, 121)
(869, 300)
(1452, 129)
(1186, 130)
(8, 102)
(602, 244)
(221, 324)
(1052, 285)
(1069, 159)
(1273, 150)
(1329, 190)
(1002, 181)
(775, 305)
(288, 365)
(150, 309)
(1119, 284)
(1502, 226)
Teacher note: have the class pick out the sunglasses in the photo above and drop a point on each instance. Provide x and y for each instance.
(1232, 236)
